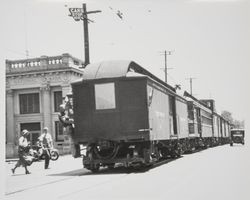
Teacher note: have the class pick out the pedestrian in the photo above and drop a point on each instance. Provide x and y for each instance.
(23, 150)
(47, 144)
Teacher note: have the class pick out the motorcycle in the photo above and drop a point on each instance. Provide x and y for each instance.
(37, 152)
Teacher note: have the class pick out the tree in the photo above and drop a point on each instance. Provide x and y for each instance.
(238, 124)
(228, 116)
(235, 123)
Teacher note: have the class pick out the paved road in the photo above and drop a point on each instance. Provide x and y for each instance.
(217, 173)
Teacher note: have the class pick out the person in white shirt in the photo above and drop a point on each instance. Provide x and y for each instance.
(23, 149)
(47, 143)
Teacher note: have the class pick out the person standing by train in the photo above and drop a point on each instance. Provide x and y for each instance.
(23, 149)
(66, 118)
(47, 144)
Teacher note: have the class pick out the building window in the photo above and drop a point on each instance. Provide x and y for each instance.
(57, 100)
(29, 103)
(105, 96)
(59, 131)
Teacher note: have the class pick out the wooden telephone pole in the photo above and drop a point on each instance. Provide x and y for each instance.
(191, 84)
(166, 53)
(82, 14)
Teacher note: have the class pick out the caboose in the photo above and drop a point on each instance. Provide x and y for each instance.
(126, 115)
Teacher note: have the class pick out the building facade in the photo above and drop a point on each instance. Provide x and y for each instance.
(34, 90)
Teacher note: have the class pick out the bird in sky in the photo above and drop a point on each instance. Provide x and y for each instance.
(119, 14)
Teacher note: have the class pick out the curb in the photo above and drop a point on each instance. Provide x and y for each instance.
(16, 159)
(11, 160)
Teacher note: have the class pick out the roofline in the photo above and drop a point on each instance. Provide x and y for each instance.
(130, 66)
(198, 101)
(70, 69)
(142, 70)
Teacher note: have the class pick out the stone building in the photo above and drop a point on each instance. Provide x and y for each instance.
(34, 90)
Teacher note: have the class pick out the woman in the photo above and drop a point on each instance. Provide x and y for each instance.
(23, 149)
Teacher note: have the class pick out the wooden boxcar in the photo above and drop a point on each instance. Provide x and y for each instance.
(126, 115)
(200, 121)
(225, 131)
(216, 128)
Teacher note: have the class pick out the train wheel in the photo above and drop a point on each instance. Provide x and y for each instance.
(95, 168)
(111, 166)
(147, 156)
(172, 155)
(164, 153)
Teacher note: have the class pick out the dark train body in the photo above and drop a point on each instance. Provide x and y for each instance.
(126, 115)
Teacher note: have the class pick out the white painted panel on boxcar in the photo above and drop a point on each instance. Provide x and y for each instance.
(182, 118)
(158, 114)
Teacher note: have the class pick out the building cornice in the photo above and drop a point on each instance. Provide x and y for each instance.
(53, 78)
(43, 63)
(43, 72)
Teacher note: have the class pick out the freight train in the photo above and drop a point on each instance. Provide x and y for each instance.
(123, 114)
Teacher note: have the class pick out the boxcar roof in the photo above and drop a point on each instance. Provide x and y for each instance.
(117, 68)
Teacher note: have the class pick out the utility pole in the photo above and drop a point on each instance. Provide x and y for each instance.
(191, 84)
(86, 34)
(166, 53)
(82, 14)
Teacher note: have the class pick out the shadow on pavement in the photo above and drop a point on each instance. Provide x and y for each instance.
(116, 170)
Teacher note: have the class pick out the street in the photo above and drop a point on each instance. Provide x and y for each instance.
(221, 172)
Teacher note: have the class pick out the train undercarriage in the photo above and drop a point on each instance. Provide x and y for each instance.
(141, 154)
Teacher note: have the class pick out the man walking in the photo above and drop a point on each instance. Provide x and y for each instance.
(47, 144)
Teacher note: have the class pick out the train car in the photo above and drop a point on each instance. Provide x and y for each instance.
(221, 128)
(126, 115)
(225, 133)
(200, 121)
(216, 128)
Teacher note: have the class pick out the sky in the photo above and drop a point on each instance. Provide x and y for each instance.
(209, 40)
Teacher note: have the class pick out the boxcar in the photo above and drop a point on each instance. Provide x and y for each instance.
(126, 115)
(225, 131)
(200, 121)
(216, 128)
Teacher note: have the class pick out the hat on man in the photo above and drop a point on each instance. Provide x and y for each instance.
(45, 128)
(25, 132)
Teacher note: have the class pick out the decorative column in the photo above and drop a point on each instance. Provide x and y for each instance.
(46, 106)
(44, 61)
(67, 60)
(10, 126)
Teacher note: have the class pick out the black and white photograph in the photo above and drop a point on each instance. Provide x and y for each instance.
(125, 100)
